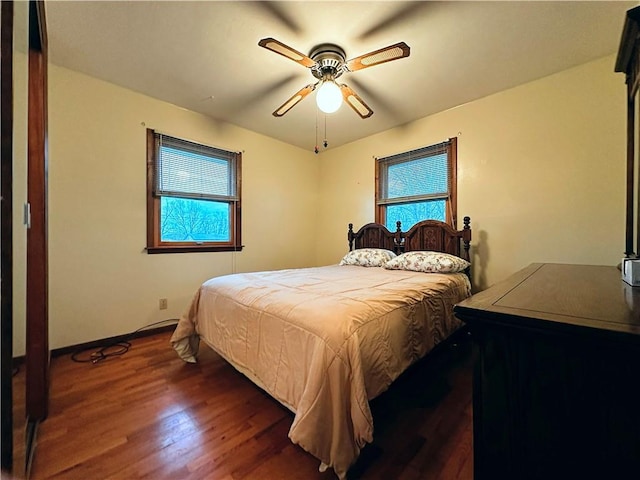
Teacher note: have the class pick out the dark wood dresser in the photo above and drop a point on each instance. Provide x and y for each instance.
(556, 391)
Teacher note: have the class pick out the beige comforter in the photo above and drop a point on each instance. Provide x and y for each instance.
(323, 341)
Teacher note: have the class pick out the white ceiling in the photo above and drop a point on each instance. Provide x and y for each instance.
(204, 55)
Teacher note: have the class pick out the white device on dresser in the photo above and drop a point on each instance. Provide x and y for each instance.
(631, 271)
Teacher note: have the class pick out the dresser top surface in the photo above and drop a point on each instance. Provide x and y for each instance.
(579, 295)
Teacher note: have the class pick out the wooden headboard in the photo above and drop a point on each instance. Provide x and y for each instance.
(430, 235)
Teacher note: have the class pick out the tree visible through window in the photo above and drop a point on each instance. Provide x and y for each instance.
(417, 185)
(189, 220)
(193, 196)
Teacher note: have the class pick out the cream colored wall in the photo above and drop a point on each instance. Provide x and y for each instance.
(102, 283)
(541, 173)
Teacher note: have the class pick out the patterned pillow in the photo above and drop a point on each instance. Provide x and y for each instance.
(368, 257)
(429, 262)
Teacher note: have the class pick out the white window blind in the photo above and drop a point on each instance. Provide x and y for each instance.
(189, 170)
(421, 174)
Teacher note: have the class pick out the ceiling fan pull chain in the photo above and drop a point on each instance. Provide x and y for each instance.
(316, 149)
(325, 143)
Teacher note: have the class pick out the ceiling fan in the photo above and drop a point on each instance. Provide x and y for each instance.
(327, 62)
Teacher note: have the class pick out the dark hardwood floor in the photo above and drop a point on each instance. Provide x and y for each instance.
(147, 414)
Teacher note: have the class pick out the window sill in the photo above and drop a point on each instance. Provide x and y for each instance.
(194, 249)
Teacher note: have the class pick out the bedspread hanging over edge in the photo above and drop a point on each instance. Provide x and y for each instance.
(323, 341)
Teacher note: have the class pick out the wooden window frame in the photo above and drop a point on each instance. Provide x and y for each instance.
(155, 245)
(451, 209)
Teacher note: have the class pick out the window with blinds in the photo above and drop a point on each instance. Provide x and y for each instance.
(193, 196)
(417, 185)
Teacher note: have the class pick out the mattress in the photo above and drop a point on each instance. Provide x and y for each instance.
(323, 341)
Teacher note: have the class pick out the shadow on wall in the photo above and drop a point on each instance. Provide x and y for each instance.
(479, 259)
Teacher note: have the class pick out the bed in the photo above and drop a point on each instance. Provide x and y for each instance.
(324, 341)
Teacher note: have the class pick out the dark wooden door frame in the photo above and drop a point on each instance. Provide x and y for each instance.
(6, 235)
(628, 62)
(37, 329)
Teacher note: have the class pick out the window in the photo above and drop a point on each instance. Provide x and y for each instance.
(417, 185)
(193, 196)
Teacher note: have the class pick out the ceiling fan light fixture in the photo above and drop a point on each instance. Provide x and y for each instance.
(329, 97)
(327, 62)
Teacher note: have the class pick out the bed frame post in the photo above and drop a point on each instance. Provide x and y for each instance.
(466, 237)
(399, 238)
(350, 236)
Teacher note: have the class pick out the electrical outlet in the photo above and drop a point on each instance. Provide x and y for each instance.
(164, 304)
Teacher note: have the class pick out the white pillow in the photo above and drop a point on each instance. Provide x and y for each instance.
(368, 257)
(429, 262)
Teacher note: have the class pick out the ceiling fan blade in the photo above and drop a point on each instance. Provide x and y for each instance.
(286, 51)
(392, 52)
(294, 100)
(355, 102)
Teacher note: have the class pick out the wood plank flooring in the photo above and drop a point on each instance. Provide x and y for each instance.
(147, 414)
